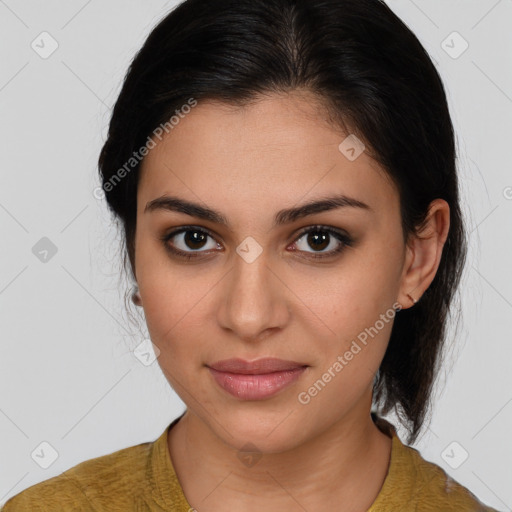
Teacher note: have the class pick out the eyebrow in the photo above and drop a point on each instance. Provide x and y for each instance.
(288, 215)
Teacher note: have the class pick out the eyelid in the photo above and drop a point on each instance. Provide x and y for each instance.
(182, 229)
(344, 239)
(322, 227)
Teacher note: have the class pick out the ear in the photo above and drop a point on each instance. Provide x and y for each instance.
(423, 253)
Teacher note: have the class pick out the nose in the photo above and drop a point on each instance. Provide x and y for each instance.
(255, 300)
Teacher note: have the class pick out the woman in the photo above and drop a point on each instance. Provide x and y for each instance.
(284, 172)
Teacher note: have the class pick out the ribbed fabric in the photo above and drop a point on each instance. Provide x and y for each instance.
(141, 478)
(416, 485)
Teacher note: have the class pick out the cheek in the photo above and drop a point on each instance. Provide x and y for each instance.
(176, 306)
(353, 305)
(347, 298)
(167, 295)
(348, 366)
(172, 305)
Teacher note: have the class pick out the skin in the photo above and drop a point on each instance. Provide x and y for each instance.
(248, 163)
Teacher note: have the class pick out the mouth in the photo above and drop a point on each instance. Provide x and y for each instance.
(259, 367)
(255, 380)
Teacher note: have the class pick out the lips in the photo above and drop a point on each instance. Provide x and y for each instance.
(258, 367)
(255, 380)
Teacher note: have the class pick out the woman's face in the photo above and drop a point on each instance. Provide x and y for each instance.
(254, 288)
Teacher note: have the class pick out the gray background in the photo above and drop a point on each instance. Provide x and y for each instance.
(68, 374)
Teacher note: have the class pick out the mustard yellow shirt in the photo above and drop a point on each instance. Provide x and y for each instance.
(142, 478)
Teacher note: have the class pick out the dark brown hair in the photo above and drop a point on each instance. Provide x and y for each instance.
(372, 74)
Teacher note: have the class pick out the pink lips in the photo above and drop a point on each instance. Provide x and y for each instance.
(255, 380)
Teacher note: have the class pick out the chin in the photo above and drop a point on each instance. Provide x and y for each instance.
(269, 431)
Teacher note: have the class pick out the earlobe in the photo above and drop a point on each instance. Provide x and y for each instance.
(136, 298)
(414, 301)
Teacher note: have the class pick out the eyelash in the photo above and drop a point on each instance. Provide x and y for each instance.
(345, 240)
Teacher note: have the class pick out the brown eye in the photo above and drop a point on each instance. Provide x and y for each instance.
(320, 238)
(189, 242)
(194, 239)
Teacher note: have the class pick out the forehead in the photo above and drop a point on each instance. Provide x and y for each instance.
(279, 149)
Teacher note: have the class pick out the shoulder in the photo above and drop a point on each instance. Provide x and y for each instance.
(432, 489)
(417, 485)
(117, 477)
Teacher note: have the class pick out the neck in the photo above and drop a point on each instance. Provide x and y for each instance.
(347, 462)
